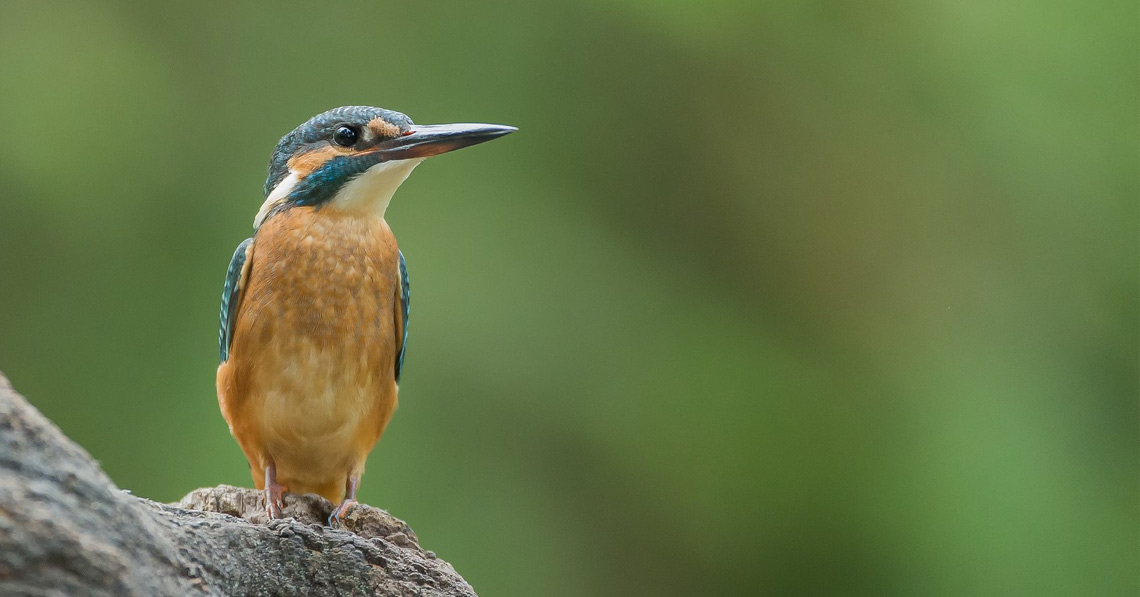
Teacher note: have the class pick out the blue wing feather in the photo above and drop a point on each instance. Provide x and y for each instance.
(405, 312)
(231, 295)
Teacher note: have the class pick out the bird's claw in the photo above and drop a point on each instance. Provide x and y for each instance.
(274, 501)
(337, 517)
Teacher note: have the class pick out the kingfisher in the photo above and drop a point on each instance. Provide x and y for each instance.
(315, 305)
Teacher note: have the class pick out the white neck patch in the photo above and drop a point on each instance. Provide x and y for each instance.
(280, 192)
(371, 192)
(368, 193)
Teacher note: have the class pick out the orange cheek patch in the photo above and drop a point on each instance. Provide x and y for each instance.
(383, 128)
(309, 161)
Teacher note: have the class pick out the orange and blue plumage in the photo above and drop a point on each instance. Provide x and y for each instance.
(315, 306)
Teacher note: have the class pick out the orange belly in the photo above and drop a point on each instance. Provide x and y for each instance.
(310, 382)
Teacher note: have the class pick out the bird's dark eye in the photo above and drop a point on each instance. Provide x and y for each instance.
(345, 136)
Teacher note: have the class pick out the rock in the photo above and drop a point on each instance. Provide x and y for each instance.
(65, 529)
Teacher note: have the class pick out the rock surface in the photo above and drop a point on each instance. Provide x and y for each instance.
(65, 529)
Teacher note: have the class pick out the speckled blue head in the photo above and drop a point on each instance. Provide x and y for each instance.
(316, 161)
(317, 132)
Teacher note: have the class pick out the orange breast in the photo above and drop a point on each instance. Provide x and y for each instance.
(310, 383)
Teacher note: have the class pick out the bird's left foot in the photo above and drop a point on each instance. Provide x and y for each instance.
(337, 516)
(274, 501)
(274, 498)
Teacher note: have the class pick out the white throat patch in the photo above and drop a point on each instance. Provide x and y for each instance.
(369, 193)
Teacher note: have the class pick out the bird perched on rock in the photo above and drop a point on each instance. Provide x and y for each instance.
(314, 317)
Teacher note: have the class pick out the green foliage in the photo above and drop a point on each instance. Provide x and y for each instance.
(793, 297)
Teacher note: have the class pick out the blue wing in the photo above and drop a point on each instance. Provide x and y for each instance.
(405, 312)
(231, 295)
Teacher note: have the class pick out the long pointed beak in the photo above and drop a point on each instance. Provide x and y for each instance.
(426, 140)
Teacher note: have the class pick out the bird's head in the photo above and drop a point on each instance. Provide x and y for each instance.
(355, 157)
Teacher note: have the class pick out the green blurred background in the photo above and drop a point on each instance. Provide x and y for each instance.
(789, 297)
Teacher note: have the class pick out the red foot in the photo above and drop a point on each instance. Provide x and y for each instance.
(274, 501)
(337, 516)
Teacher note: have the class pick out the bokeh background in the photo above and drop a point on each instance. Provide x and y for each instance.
(787, 298)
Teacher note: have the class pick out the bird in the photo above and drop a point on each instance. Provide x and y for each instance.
(315, 305)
